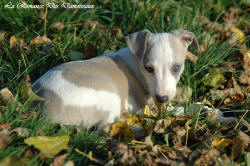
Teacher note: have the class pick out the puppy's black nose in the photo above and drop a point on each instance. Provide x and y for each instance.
(161, 99)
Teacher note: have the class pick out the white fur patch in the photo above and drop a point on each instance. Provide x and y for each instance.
(72, 95)
(130, 104)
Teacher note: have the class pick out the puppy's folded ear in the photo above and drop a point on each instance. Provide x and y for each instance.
(137, 42)
(187, 38)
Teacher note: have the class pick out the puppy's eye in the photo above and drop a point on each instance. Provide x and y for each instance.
(149, 69)
(176, 68)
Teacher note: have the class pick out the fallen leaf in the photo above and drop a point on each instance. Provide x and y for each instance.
(58, 25)
(6, 96)
(208, 157)
(69, 163)
(238, 36)
(245, 123)
(121, 128)
(231, 17)
(247, 158)
(90, 51)
(124, 115)
(245, 77)
(27, 115)
(237, 88)
(116, 32)
(20, 131)
(221, 94)
(245, 138)
(183, 94)
(14, 161)
(237, 145)
(163, 125)
(41, 15)
(150, 113)
(191, 57)
(214, 78)
(40, 40)
(26, 91)
(5, 126)
(13, 42)
(246, 59)
(49, 146)
(59, 160)
(3, 35)
(4, 139)
(221, 143)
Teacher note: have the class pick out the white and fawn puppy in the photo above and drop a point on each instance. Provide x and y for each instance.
(94, 91)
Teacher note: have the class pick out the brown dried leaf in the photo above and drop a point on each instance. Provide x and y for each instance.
(5, 126)
(41, 15)
(191, 57)
(246, 59)
(237, 145)
(245, 77)
(208, 157)
(245, 138)
(237, 88)
(231, 17)
(169, 122)
(4, 139)
(59, 160)
(14, 161)
(6, 96)
(221, 94)
(27, 115)
(40, 40)
(117, 32)
(58, 25)
(245, 123)
(90, 52)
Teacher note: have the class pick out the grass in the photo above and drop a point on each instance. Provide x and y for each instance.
(129, 16)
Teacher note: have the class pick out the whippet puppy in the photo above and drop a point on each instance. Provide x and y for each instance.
(94, 91)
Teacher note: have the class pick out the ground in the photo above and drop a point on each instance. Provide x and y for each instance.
(34, 40)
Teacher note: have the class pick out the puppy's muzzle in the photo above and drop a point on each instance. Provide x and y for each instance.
(161, 99)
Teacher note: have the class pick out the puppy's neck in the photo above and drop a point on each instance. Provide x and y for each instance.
(133, 64)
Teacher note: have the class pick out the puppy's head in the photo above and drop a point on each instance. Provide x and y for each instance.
(162, 58)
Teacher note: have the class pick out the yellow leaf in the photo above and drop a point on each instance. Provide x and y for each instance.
(123, 129)
(239, 35)
(49, 146)
(26, 91)
(150, 113)
(134, 120)
(221, 143)
(13, 41)
(214, 79)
